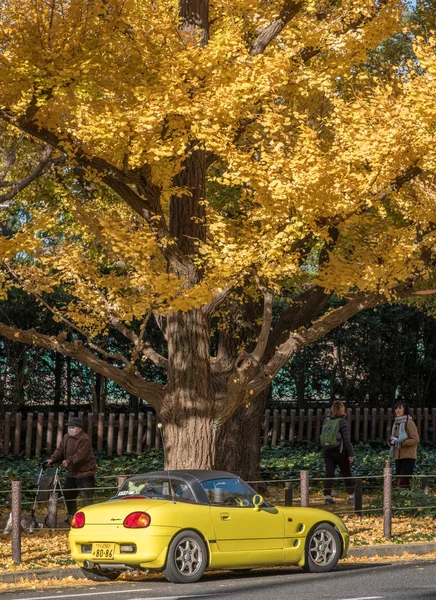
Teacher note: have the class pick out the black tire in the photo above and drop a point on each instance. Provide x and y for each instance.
(323, 549)
(187, 558)
(99, 575)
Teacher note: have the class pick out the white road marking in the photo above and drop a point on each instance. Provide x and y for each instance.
(105, 592)
(175, 597)
(81, 594)
(361, 598)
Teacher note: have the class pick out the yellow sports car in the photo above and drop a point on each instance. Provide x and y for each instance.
(184, 522)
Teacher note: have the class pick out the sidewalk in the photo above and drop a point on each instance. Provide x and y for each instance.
(393, 550)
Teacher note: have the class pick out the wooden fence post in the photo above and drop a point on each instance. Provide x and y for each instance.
(292, 426)
(60, 430)
(318, 424)
(275, 430)
(110, 435)
(29, 428)
(16, 522)
(130, 432)
(304, 487)
(358, 497)
(283, 425)
(49, 434)
(148, 437)
(267, 419)
(387, 500)
(120, 439)
(309, 425)
(39, 434)
(100, 431)
(288, 493)
(7, 433)
(140, 433)
(357, 425)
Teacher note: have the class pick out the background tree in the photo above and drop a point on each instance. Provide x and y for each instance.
(195, 161)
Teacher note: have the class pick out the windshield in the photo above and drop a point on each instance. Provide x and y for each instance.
(164, 488)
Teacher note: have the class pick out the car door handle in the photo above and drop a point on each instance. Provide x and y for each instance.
(225, 516)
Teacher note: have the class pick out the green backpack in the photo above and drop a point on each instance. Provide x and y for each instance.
(329, 435)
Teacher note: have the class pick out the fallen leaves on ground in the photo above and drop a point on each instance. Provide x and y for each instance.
(39, 550)
(48, 549)
(368, 530)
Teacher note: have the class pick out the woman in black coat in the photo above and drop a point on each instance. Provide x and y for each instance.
(338, 454)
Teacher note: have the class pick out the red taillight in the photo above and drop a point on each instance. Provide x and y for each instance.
(137, 520)
(78, 520)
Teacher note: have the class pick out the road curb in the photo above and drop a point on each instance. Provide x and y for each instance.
(360, 552)
(392, 550)
(41, 574)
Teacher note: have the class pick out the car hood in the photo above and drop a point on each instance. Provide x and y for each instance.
(115, 511)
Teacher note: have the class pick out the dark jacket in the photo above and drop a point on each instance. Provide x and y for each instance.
(344, 439)
(77, 451)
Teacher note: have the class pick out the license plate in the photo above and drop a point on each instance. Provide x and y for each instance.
(103, 550)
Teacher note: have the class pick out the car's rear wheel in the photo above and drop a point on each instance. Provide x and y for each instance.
(187, 558)
(96, 574)
(323, 549)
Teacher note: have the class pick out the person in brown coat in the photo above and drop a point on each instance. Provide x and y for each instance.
(76, 455)
(404, 440)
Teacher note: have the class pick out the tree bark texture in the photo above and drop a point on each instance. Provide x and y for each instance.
(238, 441)
(187, 412)
(187, 211)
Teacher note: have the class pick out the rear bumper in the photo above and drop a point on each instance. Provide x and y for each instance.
(151, 547)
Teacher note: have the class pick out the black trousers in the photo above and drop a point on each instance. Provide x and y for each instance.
(333, 459)
(404, 468)
(75, 486)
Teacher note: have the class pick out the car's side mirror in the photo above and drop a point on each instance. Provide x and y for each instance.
(257, 501)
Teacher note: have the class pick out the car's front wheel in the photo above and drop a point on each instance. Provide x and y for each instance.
(100, 575)
(323, 549)
(187, 558)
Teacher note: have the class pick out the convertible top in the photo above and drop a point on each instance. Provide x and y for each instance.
(190, 475)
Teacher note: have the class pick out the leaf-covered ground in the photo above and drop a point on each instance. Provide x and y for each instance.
(49, 549)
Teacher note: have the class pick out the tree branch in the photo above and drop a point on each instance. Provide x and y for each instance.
(147, 349)
(323, 326)
(265, 331)
(119, 356)
(10, 157)
(269, 33)
(43, 166)
(300, 313)
(152, 393)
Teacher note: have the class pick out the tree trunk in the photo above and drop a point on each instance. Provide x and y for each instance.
(238, 441)
(69, 375)
(20, 379)
(59, 360)
(187, 411)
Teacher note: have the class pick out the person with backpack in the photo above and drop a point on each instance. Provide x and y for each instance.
(404, 440)
(337, 450)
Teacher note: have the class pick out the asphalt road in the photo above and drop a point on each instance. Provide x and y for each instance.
(390, 581)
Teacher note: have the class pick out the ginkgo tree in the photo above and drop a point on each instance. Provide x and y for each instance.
(192, 161)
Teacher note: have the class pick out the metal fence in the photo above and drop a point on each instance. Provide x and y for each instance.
(288, 492)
